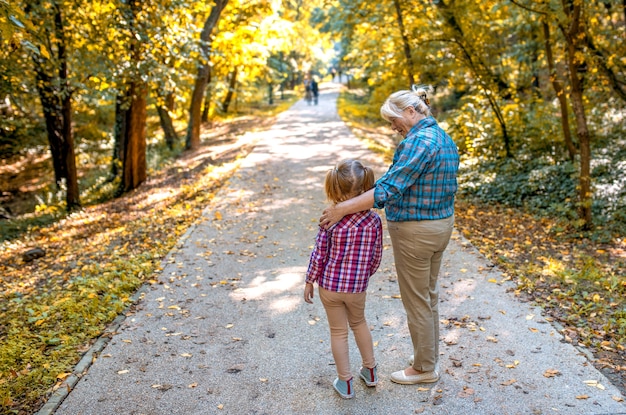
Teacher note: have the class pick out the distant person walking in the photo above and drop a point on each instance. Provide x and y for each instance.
(308, 93)
(314, 90)
(345, 256)
(417, 193)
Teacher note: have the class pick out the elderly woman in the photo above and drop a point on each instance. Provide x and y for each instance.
(417, 193)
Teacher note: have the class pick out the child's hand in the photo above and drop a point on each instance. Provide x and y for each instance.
(308, 293)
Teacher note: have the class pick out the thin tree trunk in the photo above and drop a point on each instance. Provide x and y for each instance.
(557, 84)
(168, 127)
(170, 101)
(481, 71)
(574, 36)
(405, 42)
(270, 93)
(231, 90)
(195, 110)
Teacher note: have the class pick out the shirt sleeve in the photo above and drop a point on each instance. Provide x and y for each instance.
(412, 158)
(378, 247)
(318, 259)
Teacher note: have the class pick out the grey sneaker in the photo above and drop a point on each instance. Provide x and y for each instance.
(369, 376)
(344, 388)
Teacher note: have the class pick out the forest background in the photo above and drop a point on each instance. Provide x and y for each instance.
(120, 120)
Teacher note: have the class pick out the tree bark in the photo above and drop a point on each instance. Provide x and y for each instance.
(56, 99)
(405, 41)
(574, 37)
(206, 107)
(133, 150)
(193, 129)
(232, 84)
(270, 93)
(133, 112)
(119, 130)
(557, 84)
(168, 127)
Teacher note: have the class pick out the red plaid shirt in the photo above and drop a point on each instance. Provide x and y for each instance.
(348, 253)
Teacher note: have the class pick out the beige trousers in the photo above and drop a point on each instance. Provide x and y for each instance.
(418, 248)
(343, 309)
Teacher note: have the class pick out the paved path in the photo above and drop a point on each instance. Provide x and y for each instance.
(226, 330)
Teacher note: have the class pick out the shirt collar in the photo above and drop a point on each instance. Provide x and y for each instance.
(423, 123)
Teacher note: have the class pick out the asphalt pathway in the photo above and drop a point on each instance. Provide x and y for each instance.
(226, 331)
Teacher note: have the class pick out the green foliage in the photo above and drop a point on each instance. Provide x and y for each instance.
(532, 184)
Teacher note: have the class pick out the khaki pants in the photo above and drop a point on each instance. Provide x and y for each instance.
(343, 309)
(418, 248)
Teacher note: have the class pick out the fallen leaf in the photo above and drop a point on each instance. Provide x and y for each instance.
(466, 392)
(508, 382)
(582, 397)
(550, 373)
(186, 355)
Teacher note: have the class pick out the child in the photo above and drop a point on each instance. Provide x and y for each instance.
(344, 258)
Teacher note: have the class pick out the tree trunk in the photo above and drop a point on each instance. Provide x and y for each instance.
(56, 99)
(133, 108)
(207, 101)
(170, 101)
(193, 129)
(405, 42)
(270, 93)
(231, 91)
(574, 36)
(133, 149)
(557, 84)
(119, 130)
(168, 127)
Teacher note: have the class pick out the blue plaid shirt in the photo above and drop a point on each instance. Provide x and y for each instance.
(421, 182)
